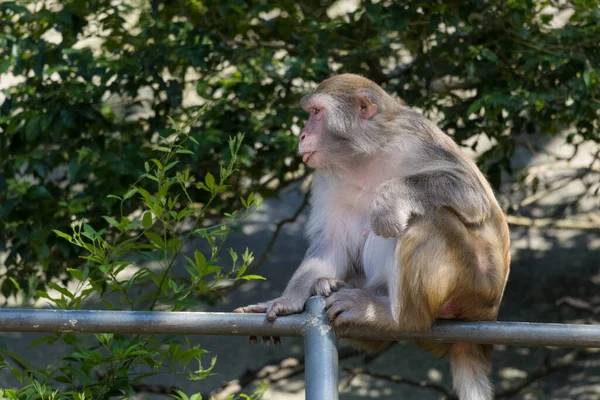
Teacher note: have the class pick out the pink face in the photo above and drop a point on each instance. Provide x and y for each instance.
(314, 133)
(311, 133)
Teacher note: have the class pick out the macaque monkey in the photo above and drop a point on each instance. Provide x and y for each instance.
(403, 227)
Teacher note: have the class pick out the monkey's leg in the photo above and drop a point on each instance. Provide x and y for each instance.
(327, 287)
(441, 274)
(354, 306)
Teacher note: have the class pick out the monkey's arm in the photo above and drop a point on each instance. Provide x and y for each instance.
(399, 199)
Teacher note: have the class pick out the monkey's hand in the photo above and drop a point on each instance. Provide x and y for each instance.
(326, 286)
(389, 214)
(352, 306)
(284, 305)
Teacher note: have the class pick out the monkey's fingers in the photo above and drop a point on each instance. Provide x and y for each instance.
(268, 340)
(334, 311)
(284, 307)
(339, 310)
(252, 309)
(252, 340)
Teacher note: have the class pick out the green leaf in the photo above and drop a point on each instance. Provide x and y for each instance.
(233, 254)
(489, 54)
(61, 290)
(156, 239)
(32, 128)
(112, 221)
(44, 339)
(75, 273)
(104, 268)
(184, 151)
(63, 235)
(200, 260)
(130, 193)
(42, 294)
(173, 243)
(147, 220)
(89, 231)
(158, 163)
(15, 283)
(171, 165)
(475, 106)
(181, 395)
(209, 180)
(252, 277)
(586, 78)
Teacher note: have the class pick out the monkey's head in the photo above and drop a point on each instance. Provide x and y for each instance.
(348, 114)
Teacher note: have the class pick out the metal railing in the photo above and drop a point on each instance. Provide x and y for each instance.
(321, 360)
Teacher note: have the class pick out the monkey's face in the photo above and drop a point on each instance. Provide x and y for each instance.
(332, 136)
(312, 142)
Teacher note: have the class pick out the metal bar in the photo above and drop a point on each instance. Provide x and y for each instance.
(321, 361)
(199, 323)
(184, 323)
(510, 333)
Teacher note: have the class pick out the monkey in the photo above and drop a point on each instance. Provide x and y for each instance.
(403, 227)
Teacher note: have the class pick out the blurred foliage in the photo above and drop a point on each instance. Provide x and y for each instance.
(107, 366)
(100, 79)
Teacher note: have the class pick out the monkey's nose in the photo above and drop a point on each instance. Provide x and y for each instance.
(302, 136)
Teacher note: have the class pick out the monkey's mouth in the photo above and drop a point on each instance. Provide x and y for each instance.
(306, 156)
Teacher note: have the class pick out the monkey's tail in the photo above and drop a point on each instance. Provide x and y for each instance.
(470, 365)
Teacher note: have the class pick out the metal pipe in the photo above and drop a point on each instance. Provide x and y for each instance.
(321, 361)
(199, 323)
(185, 323)
(510, 333)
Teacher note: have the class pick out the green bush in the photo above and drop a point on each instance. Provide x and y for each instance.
(108, 365)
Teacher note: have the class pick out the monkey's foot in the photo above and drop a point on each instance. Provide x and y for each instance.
(258, 309)
(326, 286)
(352, 306)
(273, 308)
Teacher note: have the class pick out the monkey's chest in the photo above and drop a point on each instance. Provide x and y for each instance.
(378, 260)
(372, 255)
(348, 221)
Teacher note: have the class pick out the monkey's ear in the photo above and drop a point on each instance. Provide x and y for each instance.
(367, 108)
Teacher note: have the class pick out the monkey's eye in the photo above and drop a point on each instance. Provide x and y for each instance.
(316, 111)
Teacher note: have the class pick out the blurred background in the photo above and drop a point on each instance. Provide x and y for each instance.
(95, 93)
